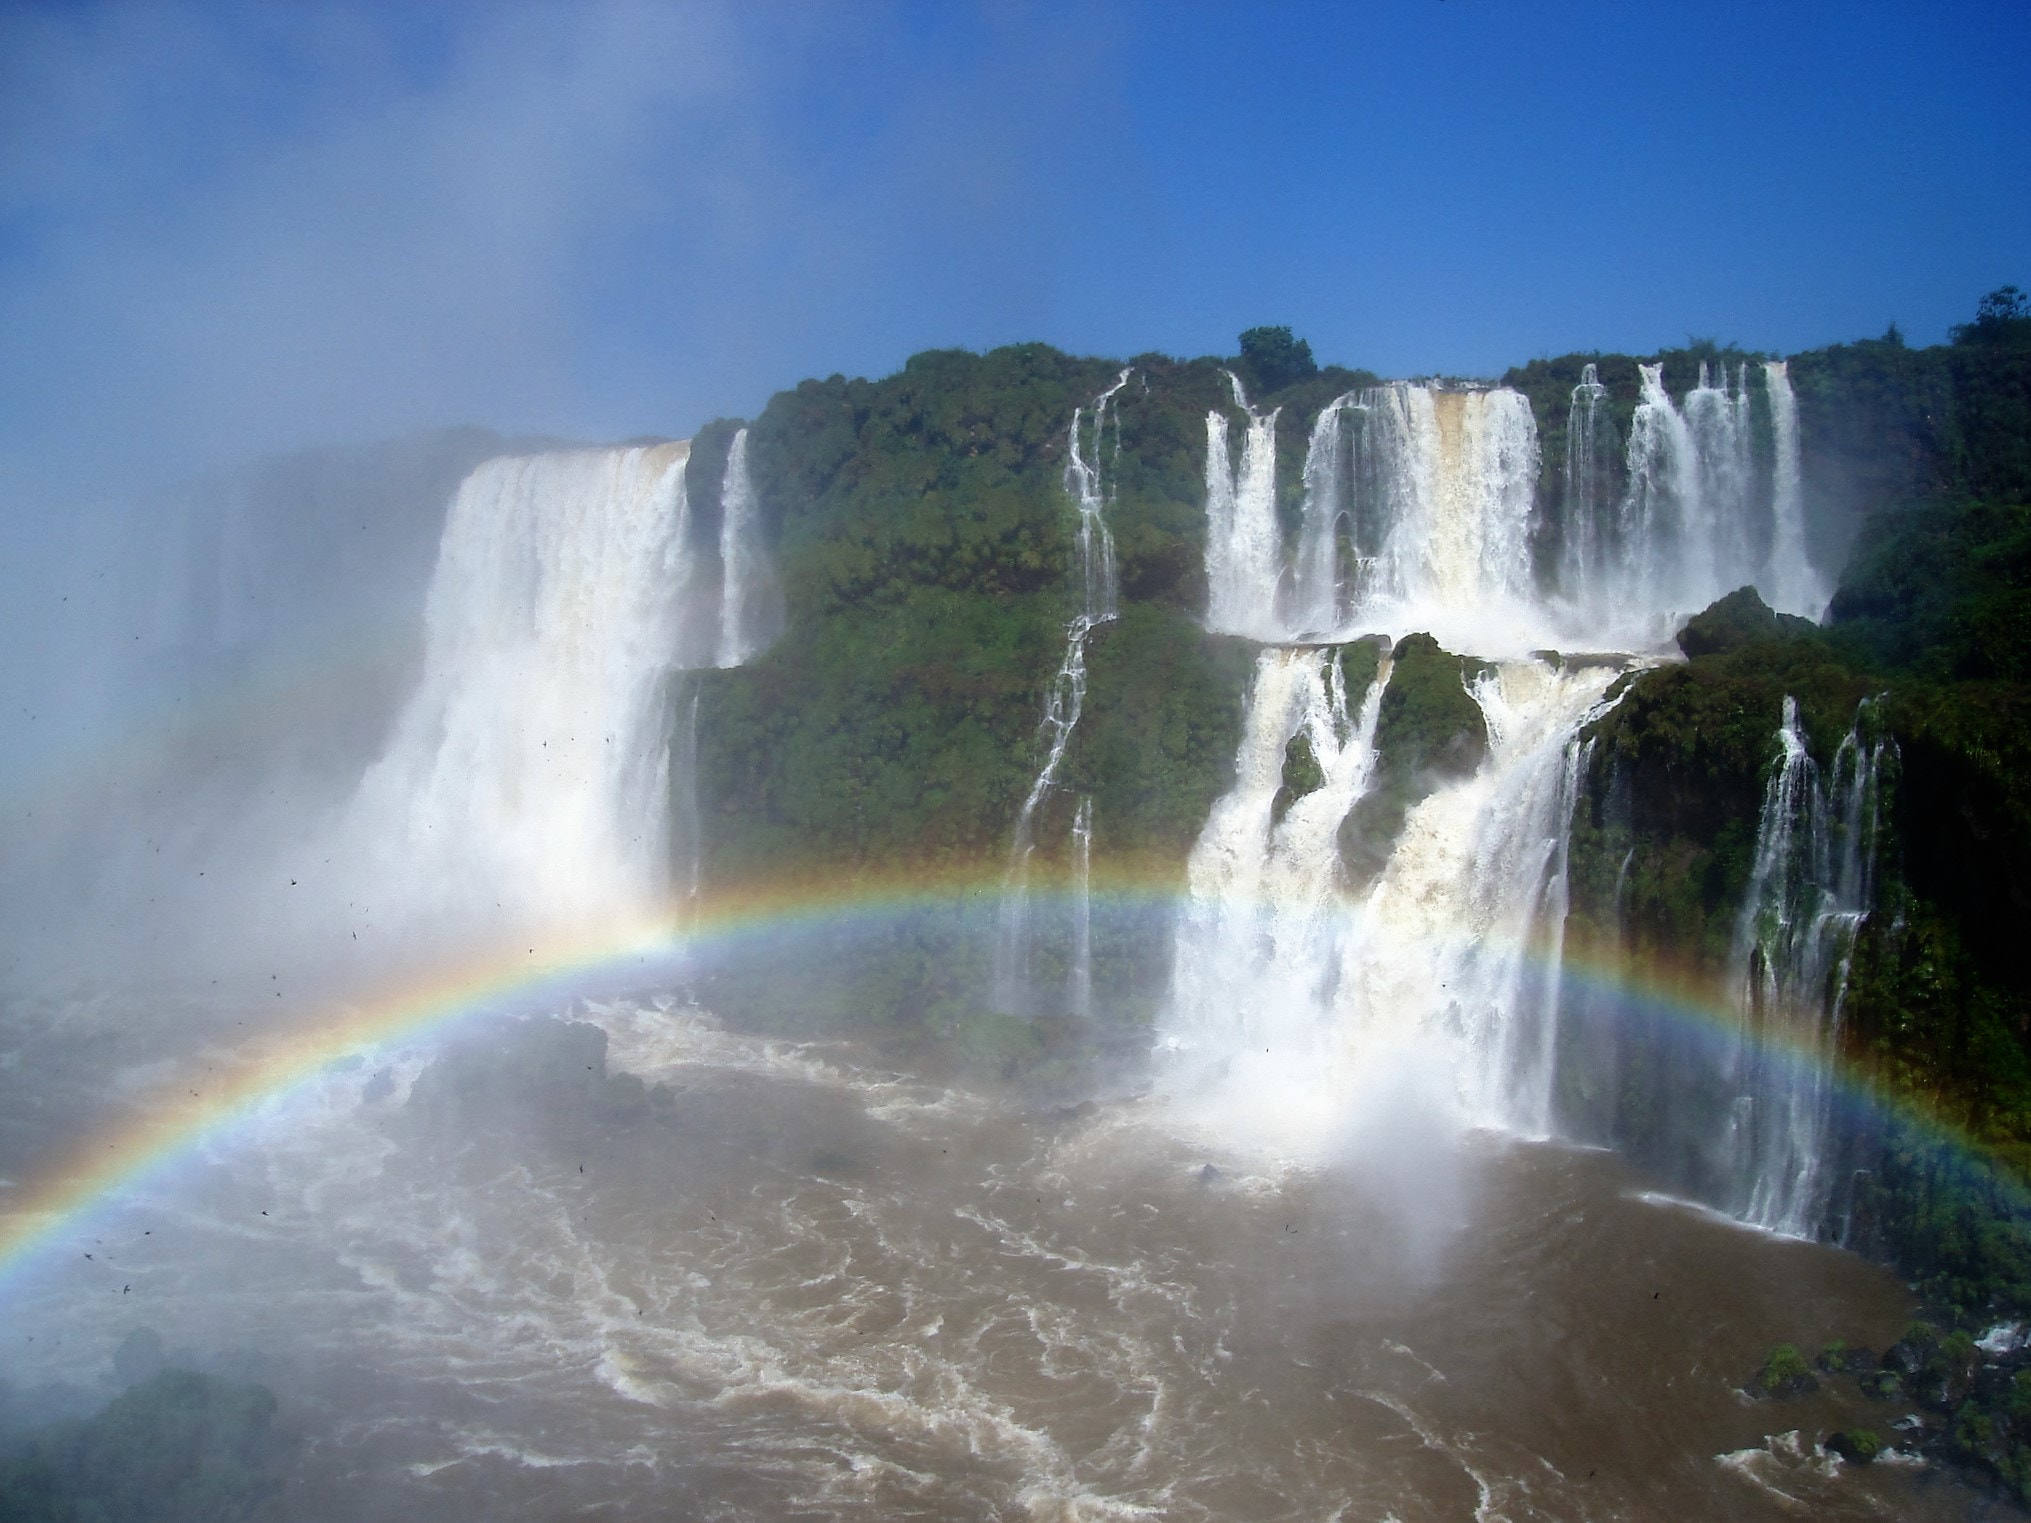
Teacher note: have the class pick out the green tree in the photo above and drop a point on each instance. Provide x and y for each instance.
(2003, 316)
(1275, 358)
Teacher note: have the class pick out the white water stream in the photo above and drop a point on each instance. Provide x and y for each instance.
(1089, 486)
(528, 781)
(1809, 892)
(751, 599)
(1299, 1003)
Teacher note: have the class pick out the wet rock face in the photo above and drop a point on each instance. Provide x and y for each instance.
(1935, 1372)
(1842, 1359)
(1908, 1355)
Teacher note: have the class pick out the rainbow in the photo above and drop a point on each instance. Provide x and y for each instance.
(68, 1189)
(190, 1112)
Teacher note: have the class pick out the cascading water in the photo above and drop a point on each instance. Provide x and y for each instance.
(1087, 484)
(1658, 562)
(1293, 995)
(1476, 544)
(529, 782)
(1790, 583)
(1080, 998)
(1810, 889)
(751, 601)
(1259, 887)
(1244, 544)
(530, 769)
(1694, 523)
(1433, 491)
(1590, 445)
(1317, 599)
(1718, 513)
(1288, 998)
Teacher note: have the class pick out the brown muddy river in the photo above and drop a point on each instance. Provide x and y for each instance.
(797, 1285)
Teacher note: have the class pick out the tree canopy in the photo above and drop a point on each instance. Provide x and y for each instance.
(1276, 358)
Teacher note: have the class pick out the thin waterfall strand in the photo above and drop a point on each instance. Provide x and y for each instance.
(1317, 601)
(1079, 995)
(1089, 487)
(1790, 582)
(751, 601)
(1587, 541)
(1807, 898)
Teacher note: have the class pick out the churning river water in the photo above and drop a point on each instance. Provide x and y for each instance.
(797, 1284)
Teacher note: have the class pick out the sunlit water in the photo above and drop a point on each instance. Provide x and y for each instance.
(805, 1285)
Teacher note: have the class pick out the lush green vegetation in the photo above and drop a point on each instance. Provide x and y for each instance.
(1785, 1373)
(1273, 358)
(1938, 593)
(1933, 614)
(927, 548)
(1664, 843)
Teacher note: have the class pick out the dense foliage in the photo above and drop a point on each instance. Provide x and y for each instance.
(927, 543)
(1273, 358)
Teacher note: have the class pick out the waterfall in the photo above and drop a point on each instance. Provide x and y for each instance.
(1433, 489)
(1790, 583)
(687, 845)
(1091, 490)
(1293, 996)
(1719, 514)
(1654, 525)
(1316, 602)
(751, 603)
(1248, 963)
(1079, 999)
(1694, 523)
(530, 769)
(1244, 544)
(1442, 485)
(1810, 890)
(1589, 445)
(1459, 944)
(1288, 996)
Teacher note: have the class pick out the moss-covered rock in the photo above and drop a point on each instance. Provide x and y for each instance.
(1429, 731)
(1858, 1446)
(1838, 1358)
(1302, 774)
(1784, 1375)
(1739, 619)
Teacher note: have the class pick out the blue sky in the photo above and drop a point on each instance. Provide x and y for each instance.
(231, 229)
